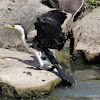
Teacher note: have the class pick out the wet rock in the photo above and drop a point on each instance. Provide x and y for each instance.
(17, 80)
(88, 74)
(87, 36)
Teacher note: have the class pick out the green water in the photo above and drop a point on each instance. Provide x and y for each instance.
(87, 81)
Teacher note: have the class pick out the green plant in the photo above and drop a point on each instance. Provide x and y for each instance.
(94, 4)
(92, 1)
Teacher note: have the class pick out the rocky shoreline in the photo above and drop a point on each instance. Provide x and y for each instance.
(16, 80)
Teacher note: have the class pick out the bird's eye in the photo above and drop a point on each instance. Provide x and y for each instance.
(12, 25)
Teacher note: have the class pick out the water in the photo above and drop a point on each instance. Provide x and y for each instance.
(82, 91)
(87, 81)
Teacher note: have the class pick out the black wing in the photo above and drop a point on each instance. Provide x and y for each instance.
(50, 31)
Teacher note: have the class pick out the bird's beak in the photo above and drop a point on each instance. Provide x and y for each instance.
(10, 26)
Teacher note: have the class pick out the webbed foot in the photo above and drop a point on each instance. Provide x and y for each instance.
(73, 58)
(38, 68)
(51, 69)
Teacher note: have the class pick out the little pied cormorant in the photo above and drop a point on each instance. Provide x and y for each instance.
(49, 36)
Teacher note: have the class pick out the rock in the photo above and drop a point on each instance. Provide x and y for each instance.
(24, 13)
(16, 11)
(71, 6)
(89, 74)
(17, 80)
(87, 36)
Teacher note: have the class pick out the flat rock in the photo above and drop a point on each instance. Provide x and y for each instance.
(87, 36)
(17, 80)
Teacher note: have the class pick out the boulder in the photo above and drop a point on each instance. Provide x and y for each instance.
(25, 13)
(87, 36)
(16, 11)
(19, 79)
(71, 6)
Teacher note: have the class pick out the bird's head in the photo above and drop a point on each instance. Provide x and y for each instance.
(19, 28)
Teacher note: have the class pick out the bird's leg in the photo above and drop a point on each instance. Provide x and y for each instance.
(38, 54)
(52, 59)
(70, 36)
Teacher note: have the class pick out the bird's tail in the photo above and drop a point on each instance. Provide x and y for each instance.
(68, 79)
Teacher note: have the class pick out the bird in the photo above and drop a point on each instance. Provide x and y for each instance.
(49, 36)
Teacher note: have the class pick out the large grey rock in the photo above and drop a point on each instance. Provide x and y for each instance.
(87, 36)
(16, 11)
(24, 13)
(71, 6)
(16, 80)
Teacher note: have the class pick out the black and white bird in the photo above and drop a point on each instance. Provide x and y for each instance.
(49, 36)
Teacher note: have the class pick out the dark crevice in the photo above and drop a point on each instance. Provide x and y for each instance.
(0, 91)
(51, 3)
(95, 60)
(78, 14)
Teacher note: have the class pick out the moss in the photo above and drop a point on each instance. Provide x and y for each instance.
(7, 90)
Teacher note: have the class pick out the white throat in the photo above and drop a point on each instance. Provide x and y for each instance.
(38, 54)
(22, 33)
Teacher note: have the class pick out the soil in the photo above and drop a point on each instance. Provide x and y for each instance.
(87, 9)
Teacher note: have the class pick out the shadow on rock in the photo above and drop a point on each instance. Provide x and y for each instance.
(34, 64)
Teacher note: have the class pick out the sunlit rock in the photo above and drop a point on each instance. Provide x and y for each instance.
(87, 36)
(18, 80)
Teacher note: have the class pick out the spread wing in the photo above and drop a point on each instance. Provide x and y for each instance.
(50, 32)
